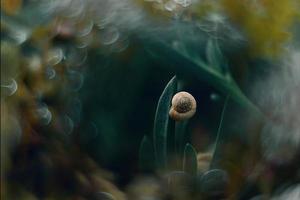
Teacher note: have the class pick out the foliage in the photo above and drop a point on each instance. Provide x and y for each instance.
(265, 22)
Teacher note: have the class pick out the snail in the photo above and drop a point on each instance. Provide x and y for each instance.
(183, 106)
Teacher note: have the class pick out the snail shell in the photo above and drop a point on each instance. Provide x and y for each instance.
(183, 106)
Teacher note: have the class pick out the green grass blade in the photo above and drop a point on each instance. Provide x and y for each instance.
(216, 145)
(215, 57)
(146, 154)
(161, 123)
(190, 164)
(180, 136)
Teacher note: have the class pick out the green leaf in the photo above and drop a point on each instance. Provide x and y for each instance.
(146, 154)
(161, 123)
(182, 63)
(190, 164)
(215, 57)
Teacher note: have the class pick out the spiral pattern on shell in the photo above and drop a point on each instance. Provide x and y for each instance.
(183, 106)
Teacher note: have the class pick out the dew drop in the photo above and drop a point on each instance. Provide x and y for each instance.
(50, 73)
(55, 56)
(120, 45)
(75, 57)
(109, 35)
(10, 87)
(84, 41)
(44, 114)
(85, 28)
(102, 23)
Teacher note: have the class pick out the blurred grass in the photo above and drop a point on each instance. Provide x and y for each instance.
(266, 23)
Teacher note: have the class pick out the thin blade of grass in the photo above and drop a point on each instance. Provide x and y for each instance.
(216, 145)
(161, 123)
(215, 57)
(190, 164)
(146, 154)
(180, 136)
